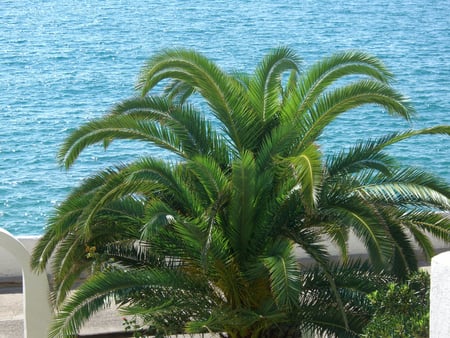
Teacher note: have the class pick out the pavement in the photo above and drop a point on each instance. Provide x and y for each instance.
(106, 323)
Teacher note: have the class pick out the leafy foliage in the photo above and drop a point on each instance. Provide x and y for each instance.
(401, 309)
(208, 240)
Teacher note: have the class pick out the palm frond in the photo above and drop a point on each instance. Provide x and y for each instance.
(242, 211)
(118, 127)
(368, 154)
(178, 91)
(264, 87)
(324, 73)
(222, 92)
(284, 273)
(160, 214)
(95, 293)
(307, 168)
(318, 313)
(403, 194)
(403, 260)
(155, 176)
(365, 224)
(342, 99)
(363, 155)
(65, 218)
(213, 180)
(436, 223)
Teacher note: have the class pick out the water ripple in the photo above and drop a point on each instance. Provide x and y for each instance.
(65, 62)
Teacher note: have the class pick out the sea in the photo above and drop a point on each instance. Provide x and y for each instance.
(63, 63)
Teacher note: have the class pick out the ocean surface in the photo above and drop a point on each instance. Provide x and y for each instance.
(64, 62)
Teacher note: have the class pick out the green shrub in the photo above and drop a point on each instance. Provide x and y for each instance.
(401, 309)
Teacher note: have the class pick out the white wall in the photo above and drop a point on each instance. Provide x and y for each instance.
(9, 267)
(440, 296)
(35, 289)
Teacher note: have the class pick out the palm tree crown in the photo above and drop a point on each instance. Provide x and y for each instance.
(208, 240)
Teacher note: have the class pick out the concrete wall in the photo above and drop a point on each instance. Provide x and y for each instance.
(11, 271)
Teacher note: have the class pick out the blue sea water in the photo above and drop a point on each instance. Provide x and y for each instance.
(65, 62)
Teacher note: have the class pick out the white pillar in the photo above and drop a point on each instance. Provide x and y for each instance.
(440, 296)
(36, 306)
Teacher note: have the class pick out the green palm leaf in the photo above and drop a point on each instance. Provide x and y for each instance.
(242, 208)
(324, 73)
(222, 92)
(92, 295)
(307, 168)
(264, 87)
(342, 99)
(284, 273)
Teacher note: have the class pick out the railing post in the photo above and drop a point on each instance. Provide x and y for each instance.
(36, 306)
(440, 296)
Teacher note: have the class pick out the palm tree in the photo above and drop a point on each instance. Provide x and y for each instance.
(207, 240)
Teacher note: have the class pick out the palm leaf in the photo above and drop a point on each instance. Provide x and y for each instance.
(284, 273)
(264, 86)
(307, 168)
(342, 99)
(97, 291)
(404, 193)
(222, 93)
(324, 73)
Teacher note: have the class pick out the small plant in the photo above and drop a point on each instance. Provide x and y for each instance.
(402, 309)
